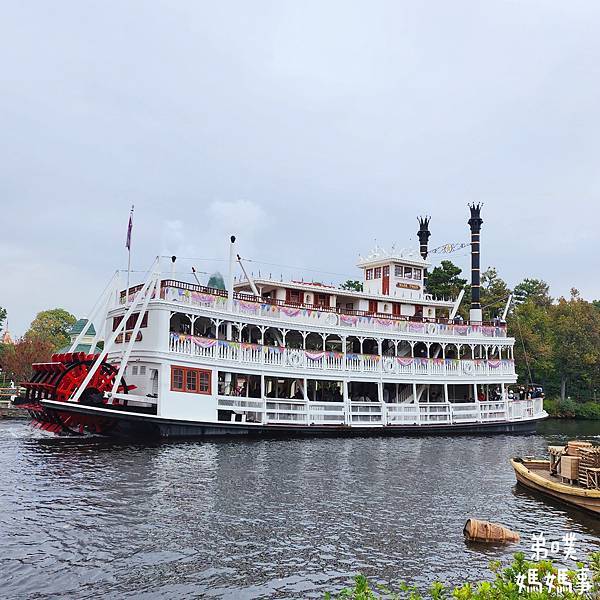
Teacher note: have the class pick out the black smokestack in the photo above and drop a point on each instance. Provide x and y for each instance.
(475, 223)
(424, 234)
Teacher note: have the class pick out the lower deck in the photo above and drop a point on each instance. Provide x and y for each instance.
(270, 411)
(119, 420)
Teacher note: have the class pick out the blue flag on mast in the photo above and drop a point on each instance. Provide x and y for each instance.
(129, 228)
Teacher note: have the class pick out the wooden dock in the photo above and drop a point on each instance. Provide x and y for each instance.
(7, 409)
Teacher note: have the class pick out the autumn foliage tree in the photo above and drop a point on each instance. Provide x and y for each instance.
(16, 359)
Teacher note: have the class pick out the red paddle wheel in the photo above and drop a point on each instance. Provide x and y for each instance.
(59, 380)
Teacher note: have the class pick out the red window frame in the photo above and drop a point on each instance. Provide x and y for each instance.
(193, 381)
(369, 275)
(131, 321)
(293, 296)
(377, 273)
(322, 300)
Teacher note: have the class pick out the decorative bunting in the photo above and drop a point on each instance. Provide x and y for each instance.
(273, 349)
(384, 322)
(204, 342)
(348, 319)
(205, 299)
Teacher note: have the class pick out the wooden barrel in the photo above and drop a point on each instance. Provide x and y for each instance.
(484, 531)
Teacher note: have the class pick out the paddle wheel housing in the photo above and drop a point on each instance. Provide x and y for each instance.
(59, 380)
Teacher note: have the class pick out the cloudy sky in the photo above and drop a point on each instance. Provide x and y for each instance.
(309, 129)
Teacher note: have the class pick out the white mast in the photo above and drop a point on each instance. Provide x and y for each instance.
(230, 282)
(250, 280)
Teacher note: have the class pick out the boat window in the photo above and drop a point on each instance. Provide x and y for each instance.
(408, 272)
(398, 270)
(293, 296)
(130, 321)
(204, 383)
(177, 379)
(377, 273)
(417, 274)
(386, 271)
(191, 380)
(142, 370)
(322, 300)
(134, 370)
(369, 274)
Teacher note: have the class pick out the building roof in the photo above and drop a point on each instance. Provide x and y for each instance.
(379, 256)
(241, 285)
(77, 328)
(6, 338)
(81, 348)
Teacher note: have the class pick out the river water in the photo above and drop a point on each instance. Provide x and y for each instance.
(94, 518)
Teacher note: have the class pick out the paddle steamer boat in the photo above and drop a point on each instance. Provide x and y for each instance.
(294, 357)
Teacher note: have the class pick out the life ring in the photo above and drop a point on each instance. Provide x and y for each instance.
(294, 358)
(388, 364)
(467, 367)
(431, 328)
(331, 319)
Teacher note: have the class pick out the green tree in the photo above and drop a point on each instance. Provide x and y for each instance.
(535, 290)
(531, 326)
(444, 281)
(2, 317)
(53, 326)
(216, 281)
(352, 285)
(494, 294)
(576, 333)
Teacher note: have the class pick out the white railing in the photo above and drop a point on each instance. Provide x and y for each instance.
(325, 318)
(297, 359)
(304, 412)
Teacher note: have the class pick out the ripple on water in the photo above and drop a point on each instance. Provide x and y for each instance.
(251, 519)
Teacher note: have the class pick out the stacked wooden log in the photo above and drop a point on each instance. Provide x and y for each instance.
(589, 467)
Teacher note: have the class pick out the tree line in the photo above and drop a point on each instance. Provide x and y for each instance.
(48, 333)
(557, 341)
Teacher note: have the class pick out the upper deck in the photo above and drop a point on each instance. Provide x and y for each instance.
(342, 320)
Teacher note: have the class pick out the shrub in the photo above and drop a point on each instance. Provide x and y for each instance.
(507, 584)
(589, 410)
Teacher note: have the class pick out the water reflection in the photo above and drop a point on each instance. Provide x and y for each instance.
(253, 518)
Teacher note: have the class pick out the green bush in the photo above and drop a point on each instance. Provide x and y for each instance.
(507, 584)
(589, 410)
(570, 409)
(551, 406)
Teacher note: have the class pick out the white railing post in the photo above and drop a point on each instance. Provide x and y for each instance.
(346, 403)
